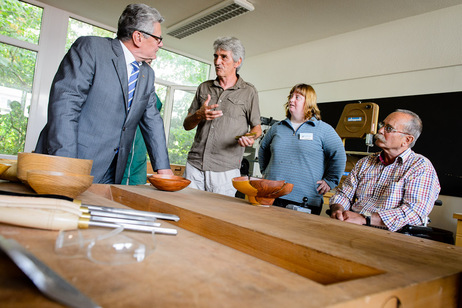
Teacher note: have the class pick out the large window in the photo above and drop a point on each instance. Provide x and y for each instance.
(33, 39)
(77, 28)
(179, 140)
(180, 76)
(21, 23)
(180, 70)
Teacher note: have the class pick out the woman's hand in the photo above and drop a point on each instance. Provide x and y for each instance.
(323, 187)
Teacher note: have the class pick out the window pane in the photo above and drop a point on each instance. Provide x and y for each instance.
(179, 69)
(161, 92)
(20, 20)
(17, 68)
(180, 140)
(79, 28)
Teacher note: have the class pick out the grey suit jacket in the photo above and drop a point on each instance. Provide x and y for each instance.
(87, 111)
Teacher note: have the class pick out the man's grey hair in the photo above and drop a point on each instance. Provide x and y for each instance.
(137, 17)
(231, 44)
(414, 126)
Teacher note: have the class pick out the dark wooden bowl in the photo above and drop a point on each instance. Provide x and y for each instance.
(266, 187)
(168, 182)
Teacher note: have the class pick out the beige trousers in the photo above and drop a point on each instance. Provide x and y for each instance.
(217, 182)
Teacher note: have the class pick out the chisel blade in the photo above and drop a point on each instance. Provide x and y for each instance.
(44, 278)
(131, 212)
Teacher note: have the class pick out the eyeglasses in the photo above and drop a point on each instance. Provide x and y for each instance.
(389, 129)
(158, 38)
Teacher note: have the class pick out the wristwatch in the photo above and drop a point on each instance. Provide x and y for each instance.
(368, 217)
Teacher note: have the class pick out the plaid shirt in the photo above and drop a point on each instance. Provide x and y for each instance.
(402, 193)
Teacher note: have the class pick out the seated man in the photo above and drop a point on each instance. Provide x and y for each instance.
(394, 187)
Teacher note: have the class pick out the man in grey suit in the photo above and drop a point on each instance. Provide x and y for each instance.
(89, 113)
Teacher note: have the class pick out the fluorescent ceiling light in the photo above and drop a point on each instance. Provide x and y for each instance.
(210, 17)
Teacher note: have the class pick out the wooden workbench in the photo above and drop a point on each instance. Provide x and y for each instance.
(229, 253)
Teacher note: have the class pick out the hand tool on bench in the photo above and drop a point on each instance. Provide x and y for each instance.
(59, 214)
(137, 214)
(43, 277)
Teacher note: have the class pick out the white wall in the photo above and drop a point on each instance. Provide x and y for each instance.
(417, 55)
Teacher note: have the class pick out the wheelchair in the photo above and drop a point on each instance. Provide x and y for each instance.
(424, 231)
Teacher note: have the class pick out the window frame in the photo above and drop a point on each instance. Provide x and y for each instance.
(168, 107)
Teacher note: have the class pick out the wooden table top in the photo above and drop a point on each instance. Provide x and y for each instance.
(229, 253)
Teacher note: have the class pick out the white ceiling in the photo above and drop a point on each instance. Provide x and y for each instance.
(274, 24)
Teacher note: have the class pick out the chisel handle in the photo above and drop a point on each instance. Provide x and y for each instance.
(40, 203)
(56, 214)
(48, 219)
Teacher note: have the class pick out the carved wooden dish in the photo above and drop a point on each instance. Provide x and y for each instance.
(35, 161)
(261, 191)
(10, 174)
(4, 167)
(58, 183)
(168, 182)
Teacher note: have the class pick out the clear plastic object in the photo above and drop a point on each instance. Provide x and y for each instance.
(103, 247)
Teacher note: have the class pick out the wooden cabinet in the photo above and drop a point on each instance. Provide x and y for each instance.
(458, 216)
(177, 169)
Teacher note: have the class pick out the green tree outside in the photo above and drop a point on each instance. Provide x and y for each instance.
(181, 70)
(13, 129)
(21, 21)
(77, 28)
(180, 140)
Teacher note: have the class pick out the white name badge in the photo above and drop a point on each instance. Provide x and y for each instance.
(305, 136)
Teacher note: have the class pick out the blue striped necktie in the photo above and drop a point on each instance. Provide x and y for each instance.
(132, 82)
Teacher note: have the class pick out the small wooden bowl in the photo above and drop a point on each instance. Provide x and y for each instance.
(261, 191)
(58, 183)
(10, 174)
(35, 161)
(4, 167)
(168, 182)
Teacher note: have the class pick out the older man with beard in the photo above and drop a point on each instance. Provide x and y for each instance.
(393, 188)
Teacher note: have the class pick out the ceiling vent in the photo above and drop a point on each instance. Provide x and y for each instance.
(210, 17)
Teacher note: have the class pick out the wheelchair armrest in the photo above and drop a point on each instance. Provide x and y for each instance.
(409, 229)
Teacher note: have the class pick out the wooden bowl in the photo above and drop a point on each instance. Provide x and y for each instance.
(10, 174)
(261, 191)
(4, 167)
(168, 182)
(58, 183)
(35, 161)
